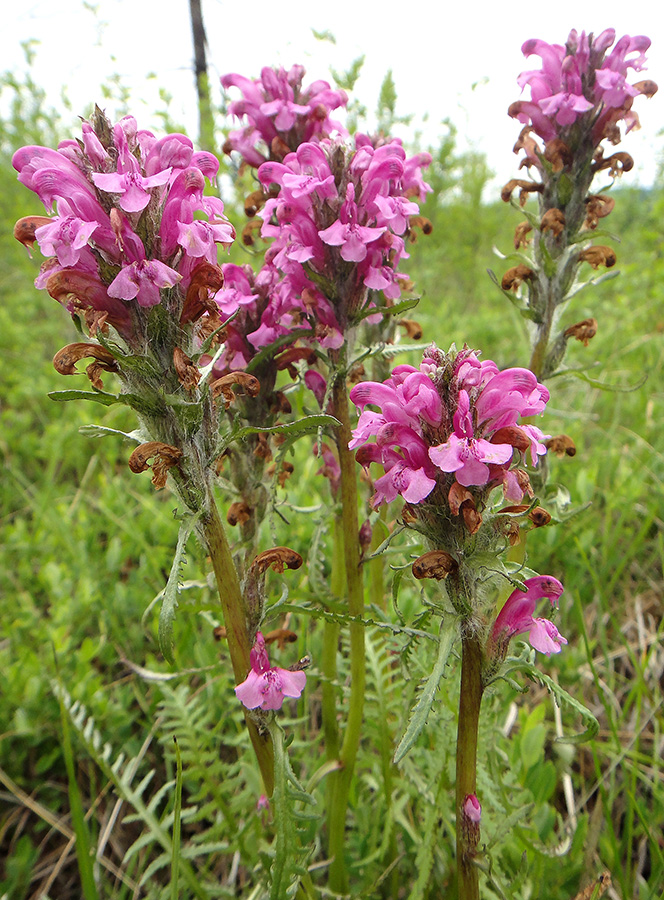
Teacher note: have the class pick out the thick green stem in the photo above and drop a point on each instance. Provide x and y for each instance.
(355, 596)
(235, 621)
(466, 764)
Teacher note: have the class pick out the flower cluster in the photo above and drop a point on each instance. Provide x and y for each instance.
(126, 226)
(282, 113)
(584, 83)
(340, 220)
(450, 424)
(266, 686)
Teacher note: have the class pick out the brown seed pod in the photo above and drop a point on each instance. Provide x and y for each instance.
(278, 558)
(238, 513)
(513, 435)
(222, 385)
(65, 361)
(188, 374)
(561, 445)
(413, 329)
(558, 154)
(597, 207)
(525, 188)
(516, 276)
(583, 331)
(617, 163)
(598, 255)
(436, 564)
(537, 515)
(24, 230)
(206, 279)
(520, 232)
(646, 87)
(163, 455)
(553, 220)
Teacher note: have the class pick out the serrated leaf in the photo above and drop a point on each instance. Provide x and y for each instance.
(602, 385)
(561, 696)
(395, 310)
(307, 425)
(420, 712)
(100, 431)
(272, 350)
(96, 397)
(169, 602)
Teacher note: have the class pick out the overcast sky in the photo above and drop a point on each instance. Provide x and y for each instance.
(456, 60)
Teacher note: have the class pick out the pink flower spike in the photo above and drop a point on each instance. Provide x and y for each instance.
(266, 686)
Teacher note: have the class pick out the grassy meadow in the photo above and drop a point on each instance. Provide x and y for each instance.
(89, 709)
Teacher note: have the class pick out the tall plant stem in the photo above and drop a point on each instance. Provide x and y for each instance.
(235, 620)
(466, 763)
(329, 654)
(355, 597)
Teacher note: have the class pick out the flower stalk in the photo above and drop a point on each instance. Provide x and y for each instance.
(355, 598)
(470, 700)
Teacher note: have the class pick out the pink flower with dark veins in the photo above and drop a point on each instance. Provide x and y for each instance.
(266, 686)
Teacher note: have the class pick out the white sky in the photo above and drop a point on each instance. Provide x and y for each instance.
(437, 53)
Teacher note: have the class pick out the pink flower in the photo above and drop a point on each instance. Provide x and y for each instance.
(516, 616)
(472, 809)
(266, 686)
(133, 188)
(142, 280)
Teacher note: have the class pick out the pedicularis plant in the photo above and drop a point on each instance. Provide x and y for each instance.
(211, 358)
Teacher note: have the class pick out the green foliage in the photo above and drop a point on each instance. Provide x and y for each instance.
(84, 545)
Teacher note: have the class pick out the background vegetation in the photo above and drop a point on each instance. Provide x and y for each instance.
(85, 546)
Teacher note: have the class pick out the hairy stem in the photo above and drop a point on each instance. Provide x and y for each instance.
(466, 763)
(235, 620)
(355, 597)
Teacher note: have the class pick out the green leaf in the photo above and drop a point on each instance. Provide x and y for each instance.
(602, 385)
(420, 712)
(307, 425)
(562, 697)
(169, 602)
(395, 310)
(96, 396)
(99, 431)
(268, 352)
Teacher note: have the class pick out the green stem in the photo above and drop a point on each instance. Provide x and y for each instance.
(355, 588)
(329, 655)
(235, 620)
(470, 700)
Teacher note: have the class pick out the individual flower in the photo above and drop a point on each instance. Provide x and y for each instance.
(516, 617)
(266, 686)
